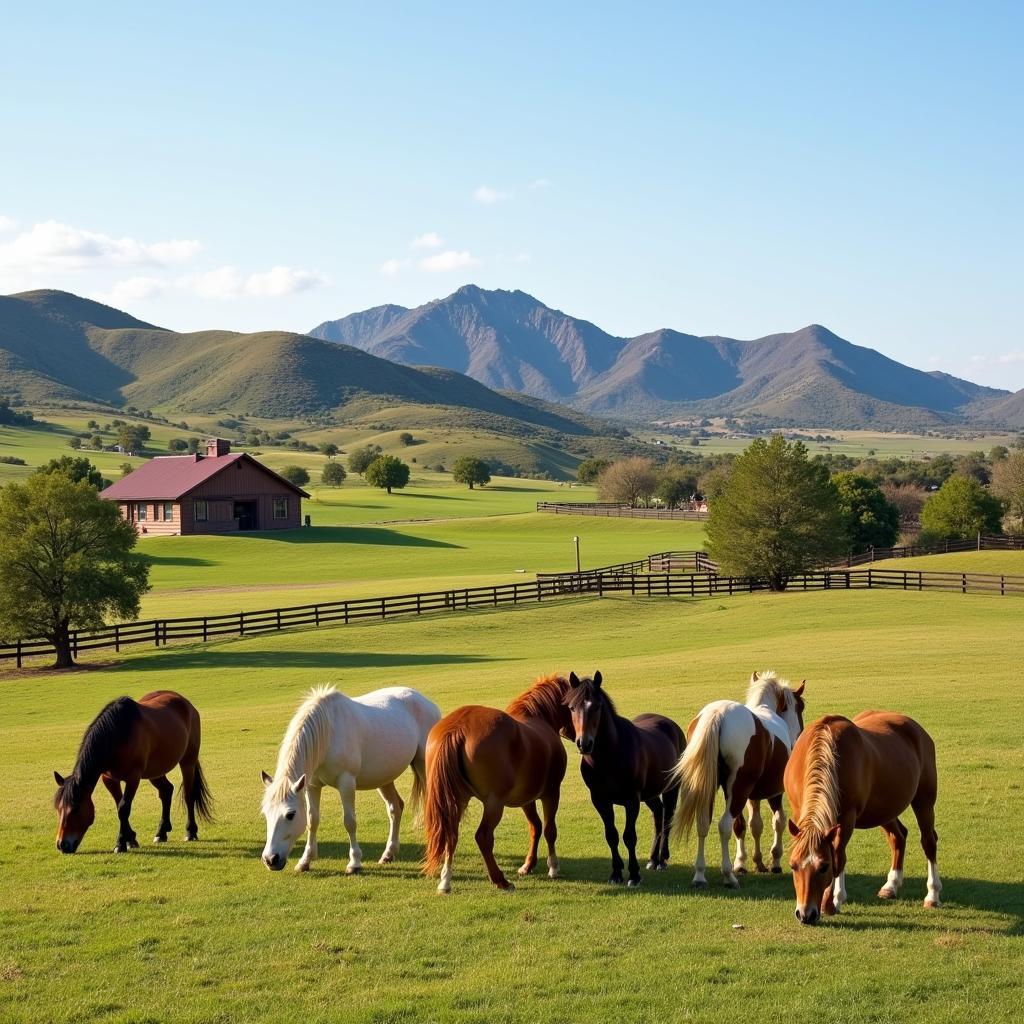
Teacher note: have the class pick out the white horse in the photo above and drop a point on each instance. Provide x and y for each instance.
(744, 749)
(349, 743)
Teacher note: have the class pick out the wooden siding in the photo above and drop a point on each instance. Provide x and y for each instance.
(153, 527)
(242, 481)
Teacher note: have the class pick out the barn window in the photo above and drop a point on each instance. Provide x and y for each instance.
(280, 508)
(141, 511)
(168, 511)
(201, 511)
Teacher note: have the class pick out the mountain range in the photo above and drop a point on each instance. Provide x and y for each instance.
(59, 349)
(810, 377)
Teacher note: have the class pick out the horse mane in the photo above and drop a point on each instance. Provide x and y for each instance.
(544, 699)
(306, 737)
(821, 792)
(105, 734)
(770, 691)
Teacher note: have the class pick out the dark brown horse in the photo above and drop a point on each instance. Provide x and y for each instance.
(844, 775)
(127, 742)
(510, 758)
(626, 762)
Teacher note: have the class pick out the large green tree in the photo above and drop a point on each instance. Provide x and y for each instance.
(75, 469)
(65, 560)
(333, 474)
(869, 519)
(387, 471)
(470, 470)
(961, 509)
(778, 515)
(360, 458)
(1008, 484)
(295, 475)
(589, 470)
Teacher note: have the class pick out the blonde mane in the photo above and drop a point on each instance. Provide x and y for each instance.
(821, 792)
(545, 699)
(305, 740)
(771, 691)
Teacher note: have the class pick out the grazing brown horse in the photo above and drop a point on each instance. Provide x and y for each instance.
(864, 773)
(510, 758)
(623, 763)
(129, 741)
(743, 748)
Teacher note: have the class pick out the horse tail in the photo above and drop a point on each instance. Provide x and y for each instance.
(697, 773)
(200, 795)
(419, 781)
(446, 797)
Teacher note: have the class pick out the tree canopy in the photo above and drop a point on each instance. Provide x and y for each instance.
(328, 448)
(360, 458)
(387, 471)
(869, 518)
(66, 561)
(589, 470)
(295, 475)
(470, 470)
(777, 515)
(1008, 484)
(631, 481)
(74, 469)
(333, 474)
(961, 509)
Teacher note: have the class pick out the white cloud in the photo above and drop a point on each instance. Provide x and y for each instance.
(488, 194)
(134, 289)
(431, 240)
(229, 282)
(448, 260)
(50, 246)
(279, 281)
(393, 266)
(7, 223)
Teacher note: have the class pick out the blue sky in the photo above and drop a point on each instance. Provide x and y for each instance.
(731, 169)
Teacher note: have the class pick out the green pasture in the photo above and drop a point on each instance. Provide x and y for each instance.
(203, 932)
(1001, 563)
(210, 575)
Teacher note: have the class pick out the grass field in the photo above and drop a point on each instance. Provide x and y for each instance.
(205, 933)
(1003, 563)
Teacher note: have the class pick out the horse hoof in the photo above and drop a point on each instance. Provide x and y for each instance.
(552, 872)
(133, 844)
(160, 839)
(444, 890)
(933, 904)
(191, 837)
(661, 867)
(651, 866)
(354, 869)
(120, 848)
(633, 883)
(303, 865)
(885, 893)
(776, 870)
(732, 883)
(387, 859)
(740, 870)
(698, 883)
(526, 869)
(615, 881)
(507, 887)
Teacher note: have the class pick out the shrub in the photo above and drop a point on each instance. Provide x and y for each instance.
(405, 439)
(295, 475)
(589, 470)
(333, 474)
(961, 509)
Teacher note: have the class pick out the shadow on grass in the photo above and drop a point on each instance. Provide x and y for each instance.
(346, 535)
(213, 658)
(175, 560)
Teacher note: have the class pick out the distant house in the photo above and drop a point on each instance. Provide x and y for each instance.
(217, 492)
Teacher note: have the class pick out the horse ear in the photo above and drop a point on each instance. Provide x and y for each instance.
(267, 780)
(754, 677)
(58, 778)
(799, 691)
(794, 829)
(299, 784)
(574, 680)
(832, 836)
(597, 679)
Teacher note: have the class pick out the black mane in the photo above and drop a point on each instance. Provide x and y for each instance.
(104, 735)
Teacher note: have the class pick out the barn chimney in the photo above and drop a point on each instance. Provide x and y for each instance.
(216, 446)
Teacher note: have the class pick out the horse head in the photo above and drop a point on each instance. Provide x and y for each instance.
(813, 861)
(586, 702)
(284, 807)
(75, 812)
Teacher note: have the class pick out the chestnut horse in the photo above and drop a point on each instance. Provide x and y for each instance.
(127, 742)
(510, 758)
(743, 749)
(864, 773)
(623, 763)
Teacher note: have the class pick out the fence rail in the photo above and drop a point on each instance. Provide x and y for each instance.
(619, 511)
(983, 542)
(658, 577)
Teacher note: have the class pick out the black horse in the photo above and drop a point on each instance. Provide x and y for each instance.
(623, 763)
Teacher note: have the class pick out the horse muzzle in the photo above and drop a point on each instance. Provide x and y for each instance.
(809, 915)
(585, 745)
(67, 845)
(274, 861)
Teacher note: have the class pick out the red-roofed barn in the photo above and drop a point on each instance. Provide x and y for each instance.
(218, 492)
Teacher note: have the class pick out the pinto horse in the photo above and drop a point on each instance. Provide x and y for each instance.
(743, 749)
(349, 743)
(846, 775)
(127, 742)
(623, 763)
(510, 758)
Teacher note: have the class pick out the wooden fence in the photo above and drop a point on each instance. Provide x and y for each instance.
(983, 542)
(619, 511)
(651, 581)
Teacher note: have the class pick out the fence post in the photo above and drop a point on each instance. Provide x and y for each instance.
(279, 618)
(963, 584)
(17, 657)
(156, 633)
(241, 623)
(1002, 585)
(869, 579)
(117, 638)
(979, 540)
(205, 629)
